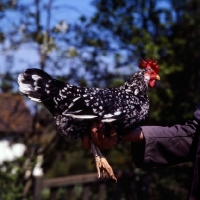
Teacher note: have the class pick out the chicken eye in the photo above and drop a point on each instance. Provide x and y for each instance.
(151, 73)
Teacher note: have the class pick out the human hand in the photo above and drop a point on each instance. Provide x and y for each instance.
(98, 138)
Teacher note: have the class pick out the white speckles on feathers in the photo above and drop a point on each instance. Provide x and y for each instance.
(25, 88)
(136, 91)
(35, 77)
(73, 107)
(34, 99)
(60, 93)
(108, 115)
(117, 113)
(36, 88)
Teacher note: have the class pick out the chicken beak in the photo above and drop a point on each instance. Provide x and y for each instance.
(158, 77)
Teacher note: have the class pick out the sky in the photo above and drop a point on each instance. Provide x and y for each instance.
(72, 9)
(79, 7)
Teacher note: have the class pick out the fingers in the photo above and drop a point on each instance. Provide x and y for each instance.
(98, 138)
(96, 133)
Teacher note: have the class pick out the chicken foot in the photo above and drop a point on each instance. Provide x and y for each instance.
(102, 165)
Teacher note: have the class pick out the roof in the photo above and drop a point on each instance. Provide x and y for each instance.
(14, 115)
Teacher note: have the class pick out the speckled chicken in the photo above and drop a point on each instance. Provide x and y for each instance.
(75, 108)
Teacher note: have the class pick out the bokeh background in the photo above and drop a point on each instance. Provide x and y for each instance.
(94, 43)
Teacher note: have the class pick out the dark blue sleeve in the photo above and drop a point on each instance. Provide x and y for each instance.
(167, 145)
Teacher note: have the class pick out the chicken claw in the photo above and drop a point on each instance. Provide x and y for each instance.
(102, 165)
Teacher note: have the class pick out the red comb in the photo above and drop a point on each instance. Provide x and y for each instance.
(149, 64)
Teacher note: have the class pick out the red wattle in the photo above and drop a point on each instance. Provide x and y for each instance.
(152, 83)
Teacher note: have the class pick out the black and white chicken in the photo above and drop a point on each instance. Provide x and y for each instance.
(75, 108)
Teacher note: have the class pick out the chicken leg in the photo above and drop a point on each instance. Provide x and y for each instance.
(102, 165)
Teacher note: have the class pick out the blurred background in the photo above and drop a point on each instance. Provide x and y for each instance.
(93, 43)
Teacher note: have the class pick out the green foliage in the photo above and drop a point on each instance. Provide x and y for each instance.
(11, 186)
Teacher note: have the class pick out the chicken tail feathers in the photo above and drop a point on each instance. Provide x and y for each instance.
(38, 85)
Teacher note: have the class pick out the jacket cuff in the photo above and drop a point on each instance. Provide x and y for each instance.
(197, 113)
